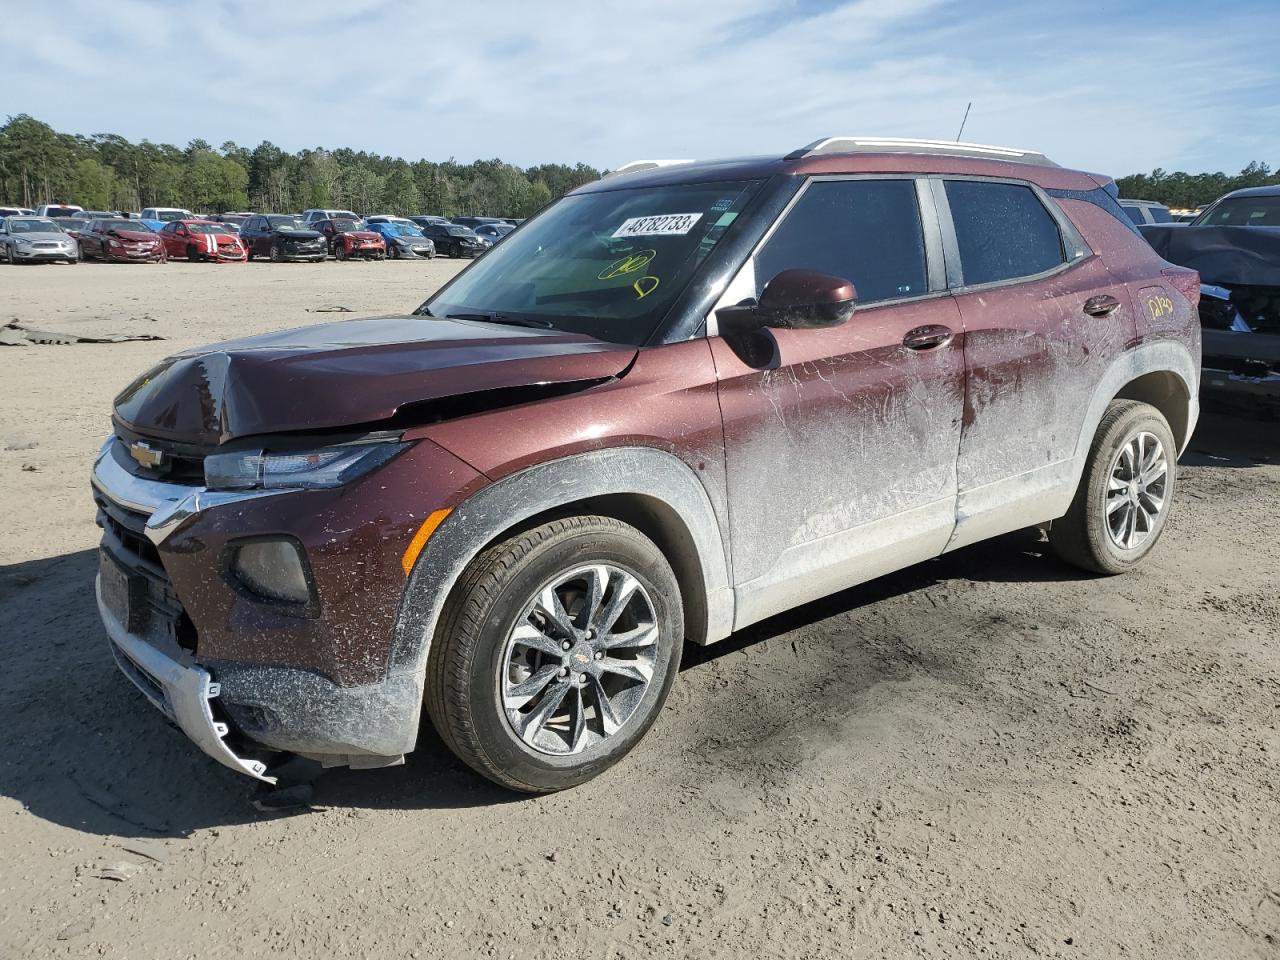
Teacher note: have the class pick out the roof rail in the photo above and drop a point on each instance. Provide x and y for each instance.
(635, 166)
(942, 148)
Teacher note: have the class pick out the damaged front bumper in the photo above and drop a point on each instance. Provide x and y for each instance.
(173, 620)
(1241, 364)
(183, 693)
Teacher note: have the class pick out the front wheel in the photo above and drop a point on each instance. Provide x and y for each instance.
(341, 252)
(1125, 494)
(276, 255)
(193, 254)
(555, 653)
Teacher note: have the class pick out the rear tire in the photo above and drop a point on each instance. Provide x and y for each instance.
(479, 661)
(1126, 492)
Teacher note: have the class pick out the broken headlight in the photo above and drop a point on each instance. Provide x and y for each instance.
(295, 469)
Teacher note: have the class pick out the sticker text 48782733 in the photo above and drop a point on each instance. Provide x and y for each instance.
(663, 225)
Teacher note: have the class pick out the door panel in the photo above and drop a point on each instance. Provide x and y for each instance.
(1034, 358)
(841, 459)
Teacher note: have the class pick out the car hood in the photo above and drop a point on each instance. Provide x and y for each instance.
(363, 234)
(43, 235)
(354, 372)
(137, 236)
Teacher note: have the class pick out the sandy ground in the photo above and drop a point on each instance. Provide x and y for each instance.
(989, 755)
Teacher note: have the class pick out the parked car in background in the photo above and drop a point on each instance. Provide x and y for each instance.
(1146, 211)
(1234, 244)
(403, 237)
(121, 241)
(16, 212)
(454, 240)
(676, 403)
(312, 215)
(201, 240)
(233, 221)
(348, 239)
(426, 220)
(72, 226)
(474, 222)
(57, 210)
(96, 214)
(157, 217)
(491, 233)
(32, 239)
(281, 236)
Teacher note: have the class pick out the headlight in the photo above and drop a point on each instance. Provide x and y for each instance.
(297, 470)
(21, 241)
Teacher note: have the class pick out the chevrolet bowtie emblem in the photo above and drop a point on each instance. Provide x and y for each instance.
(145, 455)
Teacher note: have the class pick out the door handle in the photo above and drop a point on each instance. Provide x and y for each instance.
(1101, 305)
(928, 337)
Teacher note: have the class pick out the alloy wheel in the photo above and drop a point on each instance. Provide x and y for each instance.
(1136, 490)
(579, 660)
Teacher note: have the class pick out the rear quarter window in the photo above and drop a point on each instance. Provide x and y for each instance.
(1003, 231)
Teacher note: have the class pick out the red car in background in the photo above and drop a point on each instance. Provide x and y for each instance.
(351, 238)
(202, 240)
(121, 240)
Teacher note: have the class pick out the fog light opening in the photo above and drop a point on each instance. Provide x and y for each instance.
(274, 570)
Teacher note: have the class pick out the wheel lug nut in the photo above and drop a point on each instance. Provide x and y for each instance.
(599, 654)
(565, 644)
(564, 671)
(591, 634)
(582, 678)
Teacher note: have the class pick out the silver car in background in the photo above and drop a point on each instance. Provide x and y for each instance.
(36, 240)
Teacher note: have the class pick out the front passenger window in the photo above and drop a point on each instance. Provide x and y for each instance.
(867, 231)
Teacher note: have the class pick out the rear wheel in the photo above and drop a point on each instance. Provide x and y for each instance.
(1125, 494)
(555, 653)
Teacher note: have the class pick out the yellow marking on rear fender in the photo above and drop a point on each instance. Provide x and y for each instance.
(420, 539)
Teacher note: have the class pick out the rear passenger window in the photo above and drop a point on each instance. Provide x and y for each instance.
(867, 231)
(1003, 231)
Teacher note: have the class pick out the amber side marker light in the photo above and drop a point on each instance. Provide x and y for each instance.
(420, 539)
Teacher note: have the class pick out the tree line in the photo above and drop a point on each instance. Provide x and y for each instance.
(1191, 190)
(107, 172)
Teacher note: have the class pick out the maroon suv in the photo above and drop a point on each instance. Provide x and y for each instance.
(678, 401)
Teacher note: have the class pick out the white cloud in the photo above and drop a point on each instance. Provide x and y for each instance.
(606, 82)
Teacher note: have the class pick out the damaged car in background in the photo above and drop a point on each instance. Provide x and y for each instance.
(1235, 247)
(676, 402)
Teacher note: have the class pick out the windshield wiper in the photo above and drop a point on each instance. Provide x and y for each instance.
(503, 318)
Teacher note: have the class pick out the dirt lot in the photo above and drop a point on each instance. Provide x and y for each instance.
(988, 755)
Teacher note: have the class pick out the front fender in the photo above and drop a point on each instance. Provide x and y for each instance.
(483, 517)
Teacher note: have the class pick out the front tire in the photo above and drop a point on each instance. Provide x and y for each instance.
(1125, 494)
(276, 255)
(555, 653)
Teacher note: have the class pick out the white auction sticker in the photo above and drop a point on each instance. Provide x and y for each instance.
(663, 225)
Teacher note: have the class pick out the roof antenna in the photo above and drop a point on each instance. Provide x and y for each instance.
(964, 121)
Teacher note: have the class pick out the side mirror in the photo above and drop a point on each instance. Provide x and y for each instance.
(794, 299)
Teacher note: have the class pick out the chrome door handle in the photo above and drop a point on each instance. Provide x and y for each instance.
(928, 337)
(1101, 305)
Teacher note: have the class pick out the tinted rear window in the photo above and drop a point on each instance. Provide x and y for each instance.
(1133, 213)
(1003, 231)
(1244, 212)
(1161, 215)
(867, 231)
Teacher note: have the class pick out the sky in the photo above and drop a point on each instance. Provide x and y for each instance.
(1112, 87)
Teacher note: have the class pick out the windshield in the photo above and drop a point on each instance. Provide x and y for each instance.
(206, 228)
(1242, 212)
(71, 223)
(287, 223)
(62, 211)
(33, 226)
(606, 264)
(401, 228)
(167, 215)
(136, 225)
(348, 226)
